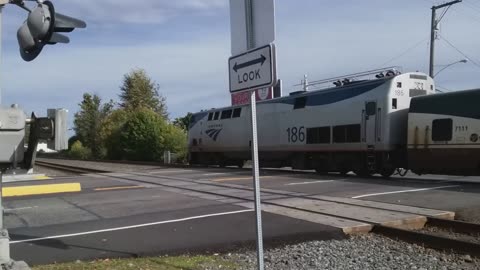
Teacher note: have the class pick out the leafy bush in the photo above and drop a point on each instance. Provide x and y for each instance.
(78, 151)
(142, 136)
(176, 142)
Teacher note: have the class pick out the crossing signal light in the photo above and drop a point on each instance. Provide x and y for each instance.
(42, 28)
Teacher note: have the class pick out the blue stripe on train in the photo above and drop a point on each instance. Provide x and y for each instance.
(333, 95)
(319, 98)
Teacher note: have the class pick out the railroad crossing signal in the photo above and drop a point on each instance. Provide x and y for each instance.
(41, 28)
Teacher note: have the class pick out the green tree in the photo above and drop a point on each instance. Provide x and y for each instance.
(72, 140)
(139, 91)
(111, 133)
(176, 142)
(183, 122)
(142, 136)
(88, 123)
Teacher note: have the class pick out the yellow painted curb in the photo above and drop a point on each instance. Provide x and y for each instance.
(40, 189)
(42, 178)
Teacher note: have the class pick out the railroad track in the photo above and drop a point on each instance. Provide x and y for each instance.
(68, 168)
(439, 242)
(435, 241)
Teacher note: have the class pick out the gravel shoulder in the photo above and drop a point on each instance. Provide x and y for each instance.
(361, 252)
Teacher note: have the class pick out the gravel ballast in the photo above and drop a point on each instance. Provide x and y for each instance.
(361, 252)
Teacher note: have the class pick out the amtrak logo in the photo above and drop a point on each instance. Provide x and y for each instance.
(474, 137)
(213, 133)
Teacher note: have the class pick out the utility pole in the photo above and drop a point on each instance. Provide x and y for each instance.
(434, 30)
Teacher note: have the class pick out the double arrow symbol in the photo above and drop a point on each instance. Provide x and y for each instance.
(260, 60)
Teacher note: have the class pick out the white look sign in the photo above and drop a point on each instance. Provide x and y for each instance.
(252, 70)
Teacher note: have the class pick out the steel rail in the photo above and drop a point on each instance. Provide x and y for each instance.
(69, 168)
(429, 240)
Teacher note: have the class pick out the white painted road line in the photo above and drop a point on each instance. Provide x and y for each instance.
(312, 182)
(402, 191)
(213, 174)
(169, 171)
(18, 209)
(130, 227)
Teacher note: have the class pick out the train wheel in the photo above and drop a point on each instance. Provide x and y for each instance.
(321, 171)
(241, 164)
(363, 173)
(387, 172)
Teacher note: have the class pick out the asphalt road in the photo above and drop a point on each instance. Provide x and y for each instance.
(117, 215)
(114, 218)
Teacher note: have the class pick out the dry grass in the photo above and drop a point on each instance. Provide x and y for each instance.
(157, 263)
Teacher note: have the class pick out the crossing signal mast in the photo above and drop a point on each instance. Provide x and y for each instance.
(42, 27)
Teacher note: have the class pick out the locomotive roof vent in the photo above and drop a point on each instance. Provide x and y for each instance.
(388, 73)
(298, 93)
(351, 78)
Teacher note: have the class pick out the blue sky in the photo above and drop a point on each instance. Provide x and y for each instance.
(184, 46)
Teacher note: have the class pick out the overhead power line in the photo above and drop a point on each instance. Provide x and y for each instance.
(473, 6)
(461, 52)
(472, 16)
(405, 52)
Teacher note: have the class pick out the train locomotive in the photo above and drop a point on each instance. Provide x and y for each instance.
(378, 125)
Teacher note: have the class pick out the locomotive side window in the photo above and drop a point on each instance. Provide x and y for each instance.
(210, 116)
(346, 134)
(394, 103)
(217, 114)
(319, 135)
(442, 130)
(353, 133)
(417, 92)
(227, 114)
(237, 112)
(300, 103)
(371, 108)
(339, 134)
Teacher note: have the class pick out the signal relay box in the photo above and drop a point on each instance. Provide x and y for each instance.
(12, 135)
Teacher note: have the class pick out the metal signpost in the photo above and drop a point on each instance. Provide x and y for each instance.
(251, 67)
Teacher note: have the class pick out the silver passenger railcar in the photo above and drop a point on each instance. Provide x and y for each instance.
(444, 133)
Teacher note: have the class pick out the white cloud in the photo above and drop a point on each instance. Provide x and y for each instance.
(138, 11)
